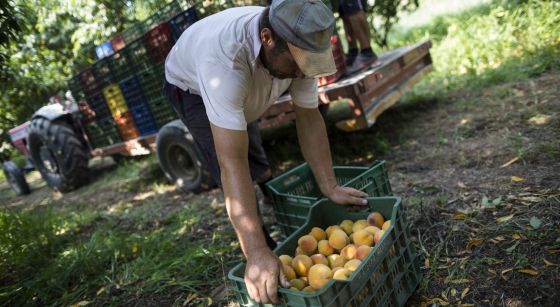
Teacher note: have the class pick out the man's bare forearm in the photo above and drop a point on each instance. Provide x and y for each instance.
(241, 205)
(314, 144)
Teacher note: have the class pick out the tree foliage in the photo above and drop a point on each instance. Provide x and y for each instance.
(384, 14)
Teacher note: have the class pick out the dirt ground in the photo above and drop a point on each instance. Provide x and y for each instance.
(479, 174)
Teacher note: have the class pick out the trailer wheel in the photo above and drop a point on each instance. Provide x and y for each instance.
(16, 178)
(58, 154)
(181, 160)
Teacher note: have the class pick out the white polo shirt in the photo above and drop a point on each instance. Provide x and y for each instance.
(217, 58)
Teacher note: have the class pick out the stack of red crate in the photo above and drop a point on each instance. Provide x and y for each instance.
(338, 54)
(159, 41)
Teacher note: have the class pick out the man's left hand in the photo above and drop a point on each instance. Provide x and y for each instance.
(347, 196)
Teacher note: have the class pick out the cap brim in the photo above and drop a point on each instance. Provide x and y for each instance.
(314, 64)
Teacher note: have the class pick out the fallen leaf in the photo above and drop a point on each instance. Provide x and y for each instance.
(453, 292)
(459, 216)
(510, 162)
(548, 263)
(439, 301)
(497, 201)
(553, 250)
(535, 222)
(516, 236)
(532, 199)
(485, 201)
(517, 179)
(511, 248)
(497, 239)
(474, 243)
(506, 271)
(504, 218)
(135, 248)
(528, 271)
(466, 305)
(461, 185)
(540, 119)
(81, 303)
(101, 290)
(427, 262)
(464, 293)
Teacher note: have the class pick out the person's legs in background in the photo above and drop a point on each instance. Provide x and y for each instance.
(354, 19)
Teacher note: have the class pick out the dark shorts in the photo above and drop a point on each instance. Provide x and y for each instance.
(192, 113)
(351, 7)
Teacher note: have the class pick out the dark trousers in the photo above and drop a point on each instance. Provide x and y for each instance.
(190, 109)
(192, 113)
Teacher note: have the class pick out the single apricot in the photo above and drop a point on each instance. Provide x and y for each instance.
(301, 264)
(319, 275)
(299, 251)
(386, 225)
(319, 259)
(352, 265)
(363, 251)
(332, 258)
(372, 229)
(363, 237)
(378, 235)
(289, 271)
(298, 283)
(308, 289)
(285, 259)
(338, 239)
(342, 274)
(318, 233)
(349, 252)
(359, 225)
(308, 244)
(340, 261)
(330, 229)
(346, 225)
(375, 219)
(323, 247)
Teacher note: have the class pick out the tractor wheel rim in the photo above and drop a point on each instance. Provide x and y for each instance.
(181, 164)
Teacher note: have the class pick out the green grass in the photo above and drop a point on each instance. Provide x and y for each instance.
(487, 45)
(61, 254)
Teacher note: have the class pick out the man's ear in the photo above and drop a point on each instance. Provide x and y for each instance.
(266, 38)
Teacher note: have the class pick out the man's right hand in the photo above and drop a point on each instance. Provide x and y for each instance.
(264, 271)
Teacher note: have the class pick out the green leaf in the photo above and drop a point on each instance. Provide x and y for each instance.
(535, 222)
(497, 201)
(510, 249)
(485, 201)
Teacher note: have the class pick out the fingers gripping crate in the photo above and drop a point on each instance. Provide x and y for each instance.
(126, 126)
(386, 277)
(182, 21)
(295, 191)
(143, 118)
(115, 99)
(103, 133)
(162, 111)
(159, 42)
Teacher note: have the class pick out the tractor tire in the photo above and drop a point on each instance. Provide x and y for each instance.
(181, 160)
(16, 178)
(58, 154)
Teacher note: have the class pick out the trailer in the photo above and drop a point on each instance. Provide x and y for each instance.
(116, 107)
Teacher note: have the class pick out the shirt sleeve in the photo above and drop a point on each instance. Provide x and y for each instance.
(304, 93)
(223, 90)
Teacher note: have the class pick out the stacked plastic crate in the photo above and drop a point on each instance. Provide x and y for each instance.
(138, 106)
(151, 81)
(182, 21)
(387, 276)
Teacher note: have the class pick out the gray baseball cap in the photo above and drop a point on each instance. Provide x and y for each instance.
(306, 25)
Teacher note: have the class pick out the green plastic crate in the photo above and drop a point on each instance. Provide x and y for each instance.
(162, 112)
(103, 133)
(386, 277)
(151, 81)
(295, 191)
